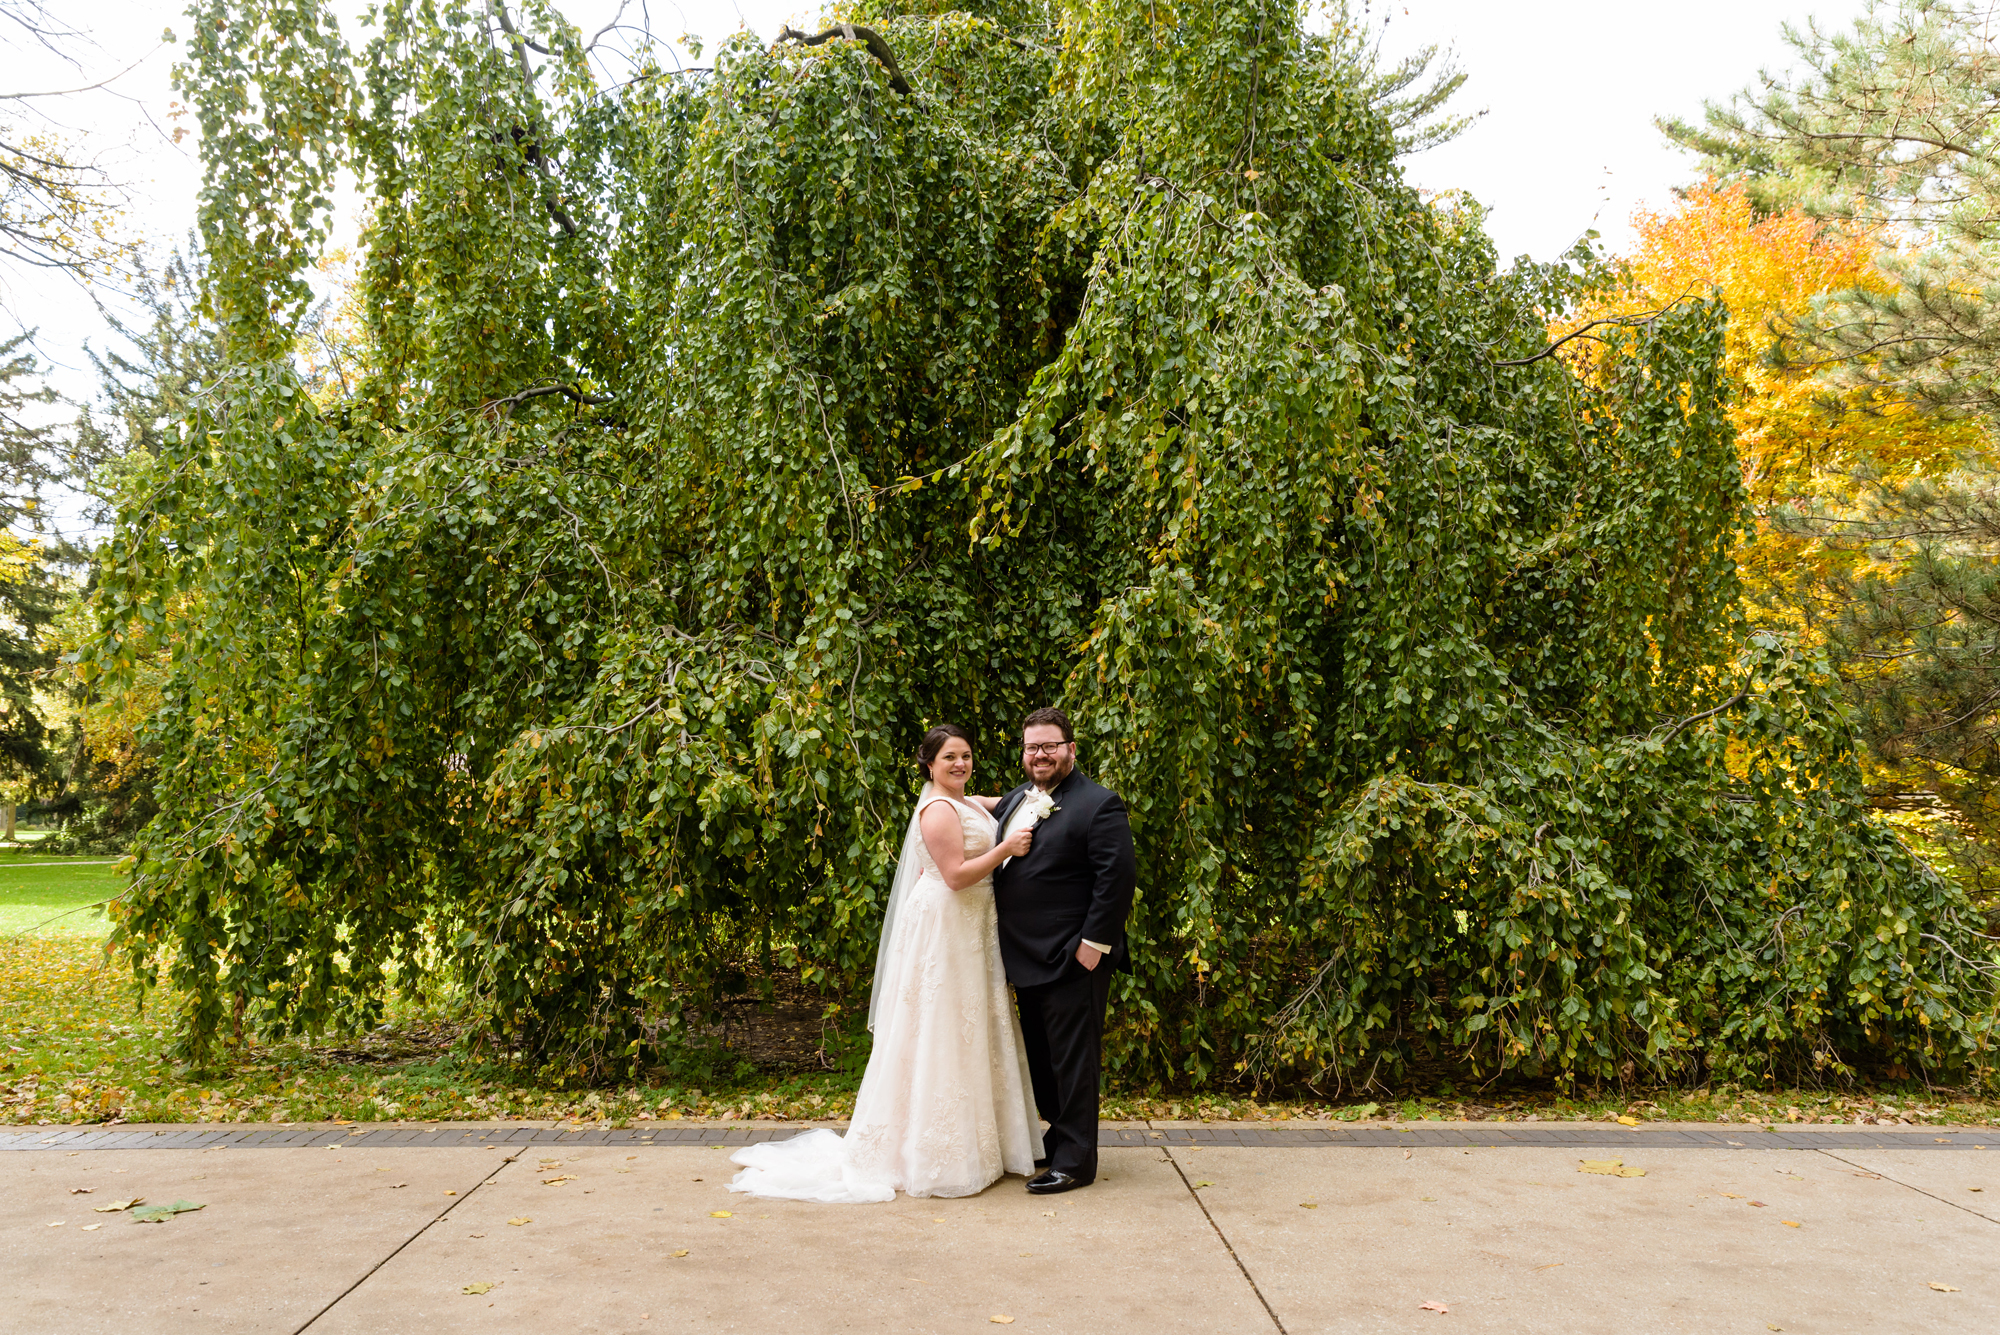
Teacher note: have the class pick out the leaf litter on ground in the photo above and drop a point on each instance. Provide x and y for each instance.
(1609, 1168)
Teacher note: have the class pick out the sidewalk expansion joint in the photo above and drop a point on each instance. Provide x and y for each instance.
(485, 1179)
(1956, 1205)
(1223, 1238)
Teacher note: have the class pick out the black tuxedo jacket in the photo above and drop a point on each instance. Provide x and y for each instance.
(1075, 884)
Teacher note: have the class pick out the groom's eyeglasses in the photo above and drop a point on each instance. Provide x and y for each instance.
(1043, 748)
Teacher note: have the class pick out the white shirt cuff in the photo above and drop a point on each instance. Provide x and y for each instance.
(1102, 950)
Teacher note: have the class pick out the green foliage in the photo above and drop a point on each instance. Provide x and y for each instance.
(722, 430)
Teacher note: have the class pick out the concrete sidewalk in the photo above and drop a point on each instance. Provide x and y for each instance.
(1256, 1238)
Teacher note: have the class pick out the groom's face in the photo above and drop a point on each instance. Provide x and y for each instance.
(1046, 757)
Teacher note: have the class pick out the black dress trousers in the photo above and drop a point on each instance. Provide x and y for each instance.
(1062, 1027)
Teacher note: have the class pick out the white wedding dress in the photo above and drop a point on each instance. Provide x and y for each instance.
(944, 1107)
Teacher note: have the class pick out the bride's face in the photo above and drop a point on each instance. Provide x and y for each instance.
(953, 765)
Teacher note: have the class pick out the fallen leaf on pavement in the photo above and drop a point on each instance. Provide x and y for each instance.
(1610, 1168)
(522, 1220)
(1628, 1121)
(116, 1206)
(1406, 1154)
(478, 1235)
(1432, 1199)
(1734, 1196)
(394, 1185)
(477, 1288)
(85, 1191)
(1876, 1176)
(721, 1214)
(1789, 1223)
(90, 1228)
(1550, 1266)
(160, 1214)
(1307, 1205)
(1432, 1307)
(1001, 1320)
(1759, 1204)
(57, 1224)
(558, 1181)
(937, 1221)
(1204, 1184)
(682, 1252)
(1944, 1288)
(451, 1193)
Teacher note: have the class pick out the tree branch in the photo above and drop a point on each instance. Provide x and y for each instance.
(853, 33)
(1579, 332)
(493, 406)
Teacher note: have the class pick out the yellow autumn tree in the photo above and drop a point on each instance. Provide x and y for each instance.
(1800, 438)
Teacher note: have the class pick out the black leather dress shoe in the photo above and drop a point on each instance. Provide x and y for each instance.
(1053, 1181)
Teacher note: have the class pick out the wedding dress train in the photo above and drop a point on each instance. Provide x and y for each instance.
(944, 1107)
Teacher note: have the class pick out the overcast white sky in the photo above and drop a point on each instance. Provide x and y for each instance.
(1570, 89)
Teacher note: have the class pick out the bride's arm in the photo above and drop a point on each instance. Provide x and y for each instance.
(945, 838)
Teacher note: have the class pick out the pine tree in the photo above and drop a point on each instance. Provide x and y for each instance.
(1885, 134)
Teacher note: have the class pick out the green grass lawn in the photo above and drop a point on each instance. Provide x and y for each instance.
(55, 895)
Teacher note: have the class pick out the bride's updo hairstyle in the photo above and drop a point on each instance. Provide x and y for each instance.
(933, 742)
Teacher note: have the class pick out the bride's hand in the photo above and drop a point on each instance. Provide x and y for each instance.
(1016, 844)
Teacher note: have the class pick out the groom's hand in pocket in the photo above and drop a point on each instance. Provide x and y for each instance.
(1087, 956)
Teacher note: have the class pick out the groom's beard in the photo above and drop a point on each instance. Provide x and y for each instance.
(1055, 780)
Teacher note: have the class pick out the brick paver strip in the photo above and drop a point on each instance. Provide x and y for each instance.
(1462, 1136)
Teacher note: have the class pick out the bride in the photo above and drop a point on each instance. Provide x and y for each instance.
(944, 1107)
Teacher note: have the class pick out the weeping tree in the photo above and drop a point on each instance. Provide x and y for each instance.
(723, 428)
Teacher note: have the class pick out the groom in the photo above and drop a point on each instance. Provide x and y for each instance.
(1062, 909)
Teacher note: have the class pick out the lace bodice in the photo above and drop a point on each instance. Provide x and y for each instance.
(979, 833)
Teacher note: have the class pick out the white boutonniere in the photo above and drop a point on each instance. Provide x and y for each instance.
(1039, 806)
